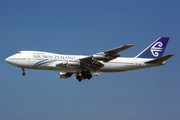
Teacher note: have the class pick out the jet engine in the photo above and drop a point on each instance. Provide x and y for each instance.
(64, 75)
(73, 64)
(99, 57)
(104, 57)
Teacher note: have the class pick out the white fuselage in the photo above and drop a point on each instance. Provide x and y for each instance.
(48, 61)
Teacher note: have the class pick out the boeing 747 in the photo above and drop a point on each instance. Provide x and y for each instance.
(84, 67)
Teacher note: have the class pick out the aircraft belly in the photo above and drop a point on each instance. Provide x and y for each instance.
(117, 67)
(66, 69)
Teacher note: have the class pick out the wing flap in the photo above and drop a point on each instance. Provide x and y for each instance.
(93, 66)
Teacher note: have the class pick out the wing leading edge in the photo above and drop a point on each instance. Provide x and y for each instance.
(119, 49)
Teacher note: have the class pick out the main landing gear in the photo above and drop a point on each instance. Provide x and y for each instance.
(83, 75)
(23, 73)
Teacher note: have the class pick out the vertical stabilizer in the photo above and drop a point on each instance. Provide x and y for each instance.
(155, 50)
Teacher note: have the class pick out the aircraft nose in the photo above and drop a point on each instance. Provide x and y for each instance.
(10, 60)
(7, 59)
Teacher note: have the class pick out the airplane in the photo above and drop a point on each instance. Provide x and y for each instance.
(84, 67)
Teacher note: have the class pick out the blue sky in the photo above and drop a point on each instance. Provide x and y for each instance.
(86, 27)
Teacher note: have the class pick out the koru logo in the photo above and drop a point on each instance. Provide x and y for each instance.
(156, 48)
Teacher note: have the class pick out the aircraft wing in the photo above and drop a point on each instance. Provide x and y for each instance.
(90, 65)
(119, 49)
(93, 62)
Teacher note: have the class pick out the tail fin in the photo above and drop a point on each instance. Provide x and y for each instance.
(155, 50)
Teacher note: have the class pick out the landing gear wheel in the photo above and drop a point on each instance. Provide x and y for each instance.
(86, 74)
(23, 73)
(89, 76)
(79, 78)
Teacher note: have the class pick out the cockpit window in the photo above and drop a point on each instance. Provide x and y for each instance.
(18, 52)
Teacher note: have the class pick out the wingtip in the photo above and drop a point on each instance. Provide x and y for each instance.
(130, 45)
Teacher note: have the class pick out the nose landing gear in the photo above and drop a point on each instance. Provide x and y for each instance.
(23, 73)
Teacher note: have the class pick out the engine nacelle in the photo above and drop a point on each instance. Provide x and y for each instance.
(73, 64)
(64, 75)
(104, 57)
(99, 57)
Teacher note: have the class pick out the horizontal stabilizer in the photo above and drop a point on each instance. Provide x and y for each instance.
(161, 59)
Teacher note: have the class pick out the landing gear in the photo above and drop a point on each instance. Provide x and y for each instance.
(86, 74)
(79, 78)
(83, 75)
(23, 73)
